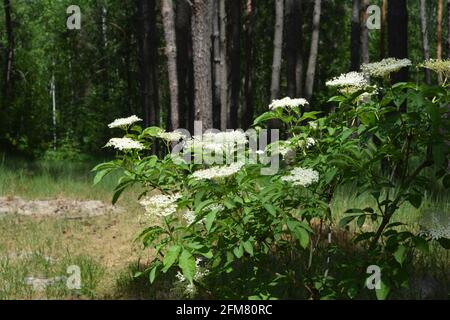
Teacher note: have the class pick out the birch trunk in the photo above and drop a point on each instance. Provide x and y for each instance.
(355, 50)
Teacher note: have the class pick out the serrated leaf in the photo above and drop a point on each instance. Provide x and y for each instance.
(187, 265)
(399, 254)
(209, 219)
(171, 257)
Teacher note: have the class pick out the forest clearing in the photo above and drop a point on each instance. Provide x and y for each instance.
(225, 150)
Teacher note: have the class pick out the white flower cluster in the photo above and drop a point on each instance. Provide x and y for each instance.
(170, 136)
(162, 205)
(354, 80)
(124, 144)
(385, 67)
(437, 229)
(288, 103)
(199, 274)
(439, 66)
(217, 172)
(301, 177)
(124, 122)
(310, 142)
(217, 141)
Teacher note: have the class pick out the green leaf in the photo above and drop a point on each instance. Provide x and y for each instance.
(383, 292)
(399, 254)
(210, 217)
(100, 175)
(239, 251)
(415, 200)
(248, 247)
(445, 243)
(303, 237)
(152, 274)
(187, 265)
(171, 257)
(421, 244)
(270, 208)
(446, 181)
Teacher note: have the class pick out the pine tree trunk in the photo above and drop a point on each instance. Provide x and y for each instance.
(364, 33)
(277, 49)
(398, 35)
(425, 44)
(235, 62)
(448, 29)
(168, 18)
(10, 50)
(299, 68)
(147, 60)
(383, 29)
(249, 63)
(216, 63)
(440, 9)
(201, 43)
(184, 64)
(292, 44)
(223, 66)
(355, 43)
(311, 71)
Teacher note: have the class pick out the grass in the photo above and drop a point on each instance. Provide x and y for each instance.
(103, 247)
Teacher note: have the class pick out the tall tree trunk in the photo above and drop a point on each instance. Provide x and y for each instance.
(201, 42)
(383, 29)
(299, 68)
(184, 62)
(440, 9)
(292, 43)
(355, 50)
(147, 61)
(223, 66)
(216, 63)
(364, 32)
(168, 18)
(249, 63)
(277, 49)
(448, 29)
(311, 71)
(235, 62)
(425, 44)
(398, 35)
(10, 50)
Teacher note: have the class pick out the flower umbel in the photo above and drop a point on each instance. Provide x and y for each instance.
(385, 67)
(124, 144)
(162, 205)
(217, 172)
(352, 80)
(288, 103)
(301, 177)
(124, 122)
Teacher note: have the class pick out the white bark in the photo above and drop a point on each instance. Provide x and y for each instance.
(277, 49)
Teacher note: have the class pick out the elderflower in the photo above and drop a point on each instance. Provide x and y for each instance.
(217, 172)
(124, 122)
(162, 205)
(124, 144)
(385, 67)
(436, 228)
(301, 177)
(217, 141)
(287, 103)
(441, 67)
(352, 81)
(170, 136)
(310, 142)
